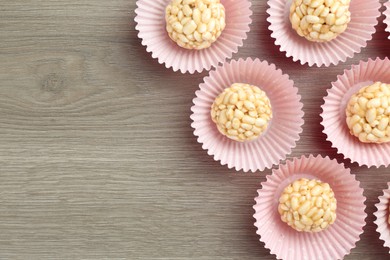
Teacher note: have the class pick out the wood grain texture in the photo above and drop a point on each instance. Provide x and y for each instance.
(98, 159)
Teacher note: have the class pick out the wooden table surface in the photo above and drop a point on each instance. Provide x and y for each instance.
(98, 159)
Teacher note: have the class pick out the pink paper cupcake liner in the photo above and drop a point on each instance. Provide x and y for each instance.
(150, 21)
(382, 216)
(334, 118)
(364, 14)
(283, 131)
(332, 243)
(387, 17)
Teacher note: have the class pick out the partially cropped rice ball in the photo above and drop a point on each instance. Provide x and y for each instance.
(368, 113)
(195, 24)
(242, 112)
(320, 20)
(308, 205)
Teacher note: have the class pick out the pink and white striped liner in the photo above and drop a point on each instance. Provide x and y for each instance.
(333, 115)
(364, 14)
(382, 216)
(283, 131)
(332, 243)
(387, 17)
(150, 21)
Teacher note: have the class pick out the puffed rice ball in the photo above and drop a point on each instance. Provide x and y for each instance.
(195, 24)
(320, 20)
(308, 205)
(368, 113)
(242, 112)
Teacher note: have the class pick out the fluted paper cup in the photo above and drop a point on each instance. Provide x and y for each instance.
(387, 17)
(283, 130)
(334, 118)
(382, 217)
(364, 14)
(333, 243)
(150, 21)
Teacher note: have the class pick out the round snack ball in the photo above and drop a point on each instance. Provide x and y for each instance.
(242, 112)
(368, 113)
(308, 205)
(320, 20)
(195, 24)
